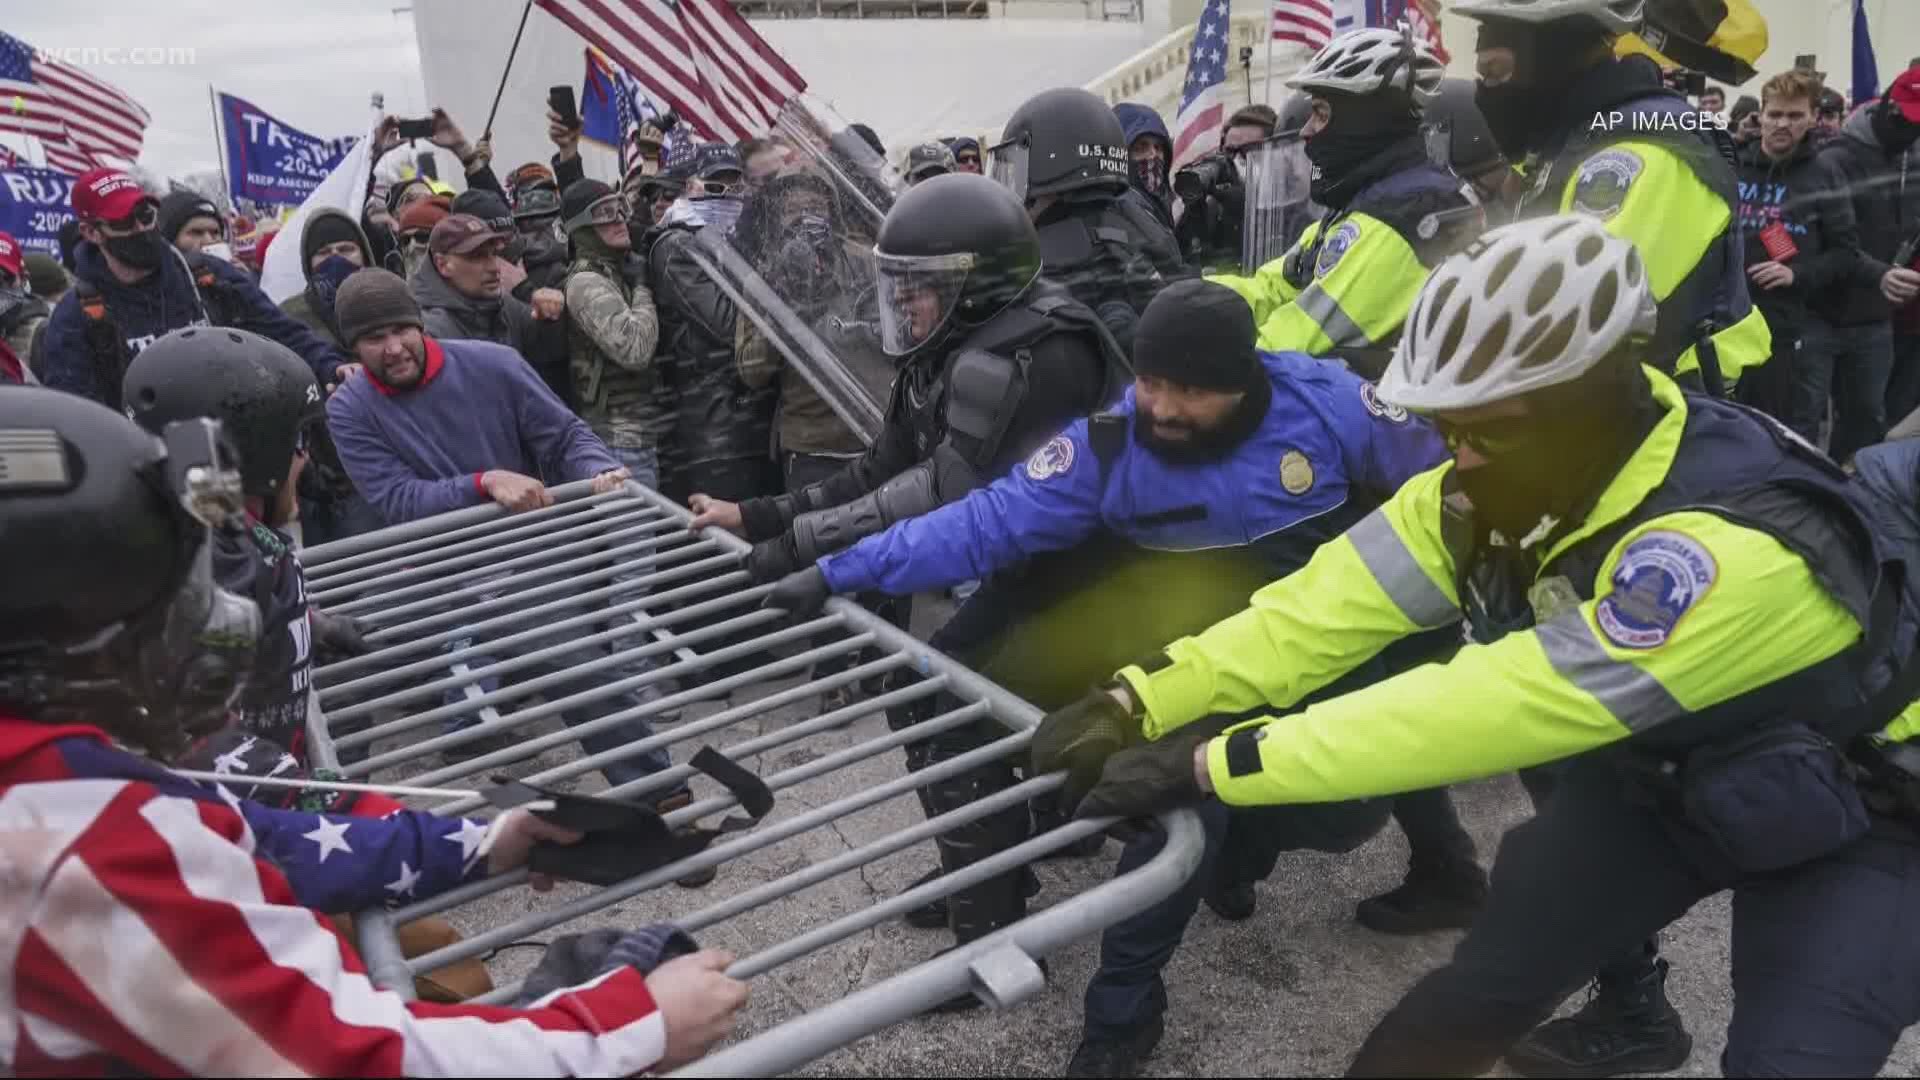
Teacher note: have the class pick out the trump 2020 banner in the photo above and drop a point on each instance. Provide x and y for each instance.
(269, 162)
(34, 203)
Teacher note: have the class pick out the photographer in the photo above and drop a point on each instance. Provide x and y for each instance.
(1212, 190)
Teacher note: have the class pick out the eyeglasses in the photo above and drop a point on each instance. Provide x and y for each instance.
(716, 187)
(416, 237)
(144, 216)
(1492, 439)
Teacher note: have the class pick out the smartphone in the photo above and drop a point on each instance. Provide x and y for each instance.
(417, 129)
(560, 100)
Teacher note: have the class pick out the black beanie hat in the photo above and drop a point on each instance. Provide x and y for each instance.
(579, 195)
(327, 229)
(1197, 333)
(181, 207)
(371, 298)
(486, 205)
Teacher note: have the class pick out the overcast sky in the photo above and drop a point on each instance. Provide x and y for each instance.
(310, 63)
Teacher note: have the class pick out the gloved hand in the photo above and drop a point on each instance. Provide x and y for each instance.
(773, 559)
(337, 637)
(1145, 780)
(1080, 738)
(800, 594)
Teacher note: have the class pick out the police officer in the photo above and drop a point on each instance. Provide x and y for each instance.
(1344, 288)
(263, 396)
(994, 360)
(1601, 135)
(1672, 600)
(1221, 469)
(1064, 154)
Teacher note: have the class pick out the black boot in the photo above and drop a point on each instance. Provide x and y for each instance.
(1626, 1026)
(1233, 903)
(1116, 1056)
(1437, 897)
(932, 915)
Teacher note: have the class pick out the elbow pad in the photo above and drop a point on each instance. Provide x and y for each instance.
(938, 480)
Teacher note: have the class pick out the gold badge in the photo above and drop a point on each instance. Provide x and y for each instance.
(1296, 472)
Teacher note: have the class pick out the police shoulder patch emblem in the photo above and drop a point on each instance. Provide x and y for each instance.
(1393, 414)
(1335, 248)
(1051, 460)
(1601, 187)
(1296, 472)
(1659, 578)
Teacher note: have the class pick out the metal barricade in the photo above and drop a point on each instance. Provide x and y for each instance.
(582, 591)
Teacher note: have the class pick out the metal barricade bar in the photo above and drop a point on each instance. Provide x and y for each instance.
(582, 632)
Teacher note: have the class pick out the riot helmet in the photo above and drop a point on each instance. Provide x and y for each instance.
(113, 616)
(954, 251)
(1460, 132)
(1062, 140)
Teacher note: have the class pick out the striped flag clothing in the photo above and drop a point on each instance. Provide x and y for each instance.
(166, 928)
(74, 115)
(699, 58)
(1196, 127)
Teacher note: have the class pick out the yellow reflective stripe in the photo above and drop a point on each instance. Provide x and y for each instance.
(1905, 726)
(1399, 574)
(1303, 631)
(1632, 695)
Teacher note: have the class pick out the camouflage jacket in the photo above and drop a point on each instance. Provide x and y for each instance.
(615, 334)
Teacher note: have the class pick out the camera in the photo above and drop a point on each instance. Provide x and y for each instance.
(1683, 81)
(1205, 177)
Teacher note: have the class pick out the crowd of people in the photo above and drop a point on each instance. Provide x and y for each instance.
(1423, 430)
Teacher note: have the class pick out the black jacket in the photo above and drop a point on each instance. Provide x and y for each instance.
(720, 416)
(1809, 198)
(1886, 205)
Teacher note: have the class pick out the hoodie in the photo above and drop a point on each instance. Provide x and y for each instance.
(163, 301)
(448, 314)
(313, 308)
(1137, 120)
(1810, 201)
(1886, 204)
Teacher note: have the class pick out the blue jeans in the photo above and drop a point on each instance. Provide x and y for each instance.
(1243, 844)
(1852, 364)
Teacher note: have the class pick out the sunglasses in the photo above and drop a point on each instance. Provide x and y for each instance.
(716, 187)
(144, 216)
(1492, 439)
(418, 236)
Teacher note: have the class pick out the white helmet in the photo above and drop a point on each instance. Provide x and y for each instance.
(1613, 16)
(1525, 306)
(1367, 61)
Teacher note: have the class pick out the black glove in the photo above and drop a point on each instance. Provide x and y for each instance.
(337, 637)
(773, 559)
(800, 594)
(1145, 780)
(1080, 738)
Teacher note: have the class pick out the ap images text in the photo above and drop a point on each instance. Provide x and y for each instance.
(1617, 120)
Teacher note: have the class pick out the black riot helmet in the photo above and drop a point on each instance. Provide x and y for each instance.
(1061, 140)
(111, 615)
(1456, 117)
(260, 391)
(955, 250)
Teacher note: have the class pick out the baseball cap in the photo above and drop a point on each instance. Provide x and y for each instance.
(929, 159)
(462, 234)
(107, 195)
(12, 259)
(1905, 93)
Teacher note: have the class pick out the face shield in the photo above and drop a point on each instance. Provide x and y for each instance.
(1008, 166)
(1279, 181)
(917, 295)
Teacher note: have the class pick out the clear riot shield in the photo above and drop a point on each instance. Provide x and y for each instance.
(1279, 183)
(799, 264)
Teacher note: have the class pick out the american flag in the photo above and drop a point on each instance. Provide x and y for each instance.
(1314, 23)
(607, 84)
(1202, 102)
(698, 57)
(9, 159)
(74, 115)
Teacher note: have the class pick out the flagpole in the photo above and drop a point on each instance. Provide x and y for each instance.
(1266, 94)
(524, 12)
(220, 144)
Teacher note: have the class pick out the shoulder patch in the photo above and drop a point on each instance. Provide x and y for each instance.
(1601, 187)
(1659, 578)
(1393, 414)
(1335, 248)
(1051, 460)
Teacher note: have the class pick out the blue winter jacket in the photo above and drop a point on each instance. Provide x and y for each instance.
(163, 302)
(1326, 453)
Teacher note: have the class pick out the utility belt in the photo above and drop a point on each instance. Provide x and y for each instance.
(1888, 774)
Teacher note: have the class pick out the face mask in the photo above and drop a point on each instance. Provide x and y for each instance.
(1151, 175)
(721, 212)
(1895, 132)
(219, 251)
(1511, 494)
(1518, 116)
(412, 257)
(142, 250)
(1361, 128)
(334, 270)
(814, 229)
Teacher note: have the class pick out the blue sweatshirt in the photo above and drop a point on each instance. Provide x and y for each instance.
(165, 301)
(479, 406)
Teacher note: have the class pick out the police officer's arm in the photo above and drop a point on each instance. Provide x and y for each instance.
(1267, 289)
(1047, 503)
(1384, 446)
(1359, 296)
(768, 516)
(1731, 611)
(1390, 576)
(1645, 193)
(262, 316)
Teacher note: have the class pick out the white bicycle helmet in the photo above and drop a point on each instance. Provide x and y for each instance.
(1614, 16)
(1367, 61)
(1525, 306)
